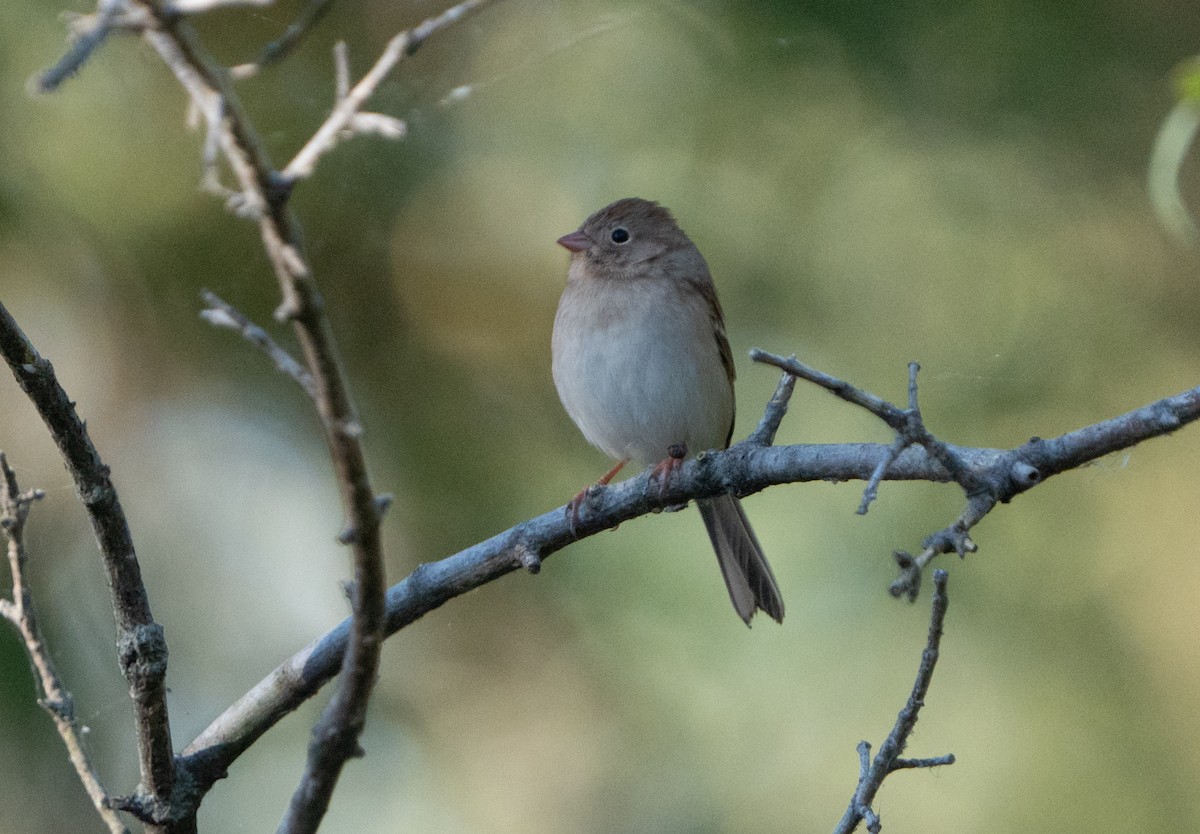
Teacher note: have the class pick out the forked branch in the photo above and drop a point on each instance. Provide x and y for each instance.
(744, 468)
(141, 646)
(53, 696)
(887, 760)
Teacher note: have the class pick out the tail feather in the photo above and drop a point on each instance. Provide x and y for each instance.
(748, 577)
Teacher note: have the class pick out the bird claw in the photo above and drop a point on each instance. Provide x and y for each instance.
(667, 467)
(582, 497)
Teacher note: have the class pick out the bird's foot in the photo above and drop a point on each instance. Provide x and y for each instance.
(667, 467)
(582, 497)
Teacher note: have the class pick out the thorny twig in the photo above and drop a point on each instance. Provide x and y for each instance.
(887, 760)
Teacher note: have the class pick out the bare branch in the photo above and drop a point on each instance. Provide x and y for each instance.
(89, 33)
(221, 313)
(278, 49)
(141, 646)
(887, 760)
(953, 539)
(932, 761)
(53, 697)
(376, 124)
(872, 490)
(878, 406)
(744, 468)
(264, 194)
(341, 71)
(768, 426)
(985, 485)
(400, 47)
(910, 429)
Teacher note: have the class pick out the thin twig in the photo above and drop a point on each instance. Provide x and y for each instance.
(88, 36)
(910, 429)
(878, 406)
(53, 696)
(777, 406)
(398, 48)
(916, 432)
(341, 71)
(894, 417)
(872, 489)
(280, 48)
(911, 432)
(888, 760)
(932, 761)
(953, 539)
(221, 313)
(141, 646)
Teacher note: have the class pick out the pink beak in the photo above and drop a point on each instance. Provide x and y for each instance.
(576, 241)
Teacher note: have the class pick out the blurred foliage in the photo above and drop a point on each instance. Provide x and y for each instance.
(872, 183)
(1187, 80)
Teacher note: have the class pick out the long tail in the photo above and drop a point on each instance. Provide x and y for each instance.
(747, 575)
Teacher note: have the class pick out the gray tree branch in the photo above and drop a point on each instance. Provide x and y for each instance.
(744, 468)
(335, 736)
(141, 645)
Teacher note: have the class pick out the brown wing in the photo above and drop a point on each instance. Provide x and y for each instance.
(709, 291)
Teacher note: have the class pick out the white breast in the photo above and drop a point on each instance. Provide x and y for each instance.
(638, 368)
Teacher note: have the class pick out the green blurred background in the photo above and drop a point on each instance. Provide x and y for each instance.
(959, 184)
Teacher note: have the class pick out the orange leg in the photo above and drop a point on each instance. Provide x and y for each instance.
(575, 503)
(612, 473)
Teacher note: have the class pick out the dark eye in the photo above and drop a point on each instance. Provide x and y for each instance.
(620, 235)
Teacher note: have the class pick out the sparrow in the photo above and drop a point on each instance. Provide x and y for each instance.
(643, 367)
